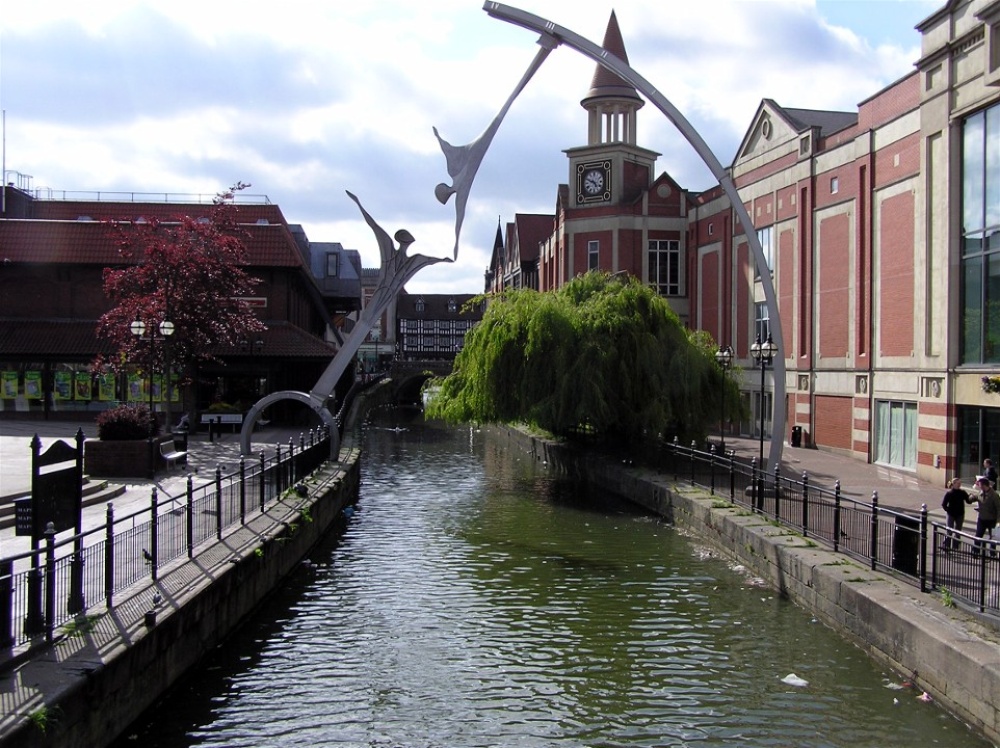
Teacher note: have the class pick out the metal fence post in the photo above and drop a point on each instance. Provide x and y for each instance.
(278, 488)
(836, 517)
(691, 460)
(711, 486)
(109, 555)
(732, 476)
(805, 504)
(218, 502)
(6, 604)
(777, 492)
(189, 516)
(154, 518)
(260, 482)
(243, 491)
(292, 472)
(923, 548)
(874, 528)
(50, 581)
(677, 446)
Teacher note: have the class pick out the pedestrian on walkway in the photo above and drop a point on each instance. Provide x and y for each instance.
(955, 499)
(990, 471)
(989, 510)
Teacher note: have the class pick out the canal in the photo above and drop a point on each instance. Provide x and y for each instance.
(473, 599)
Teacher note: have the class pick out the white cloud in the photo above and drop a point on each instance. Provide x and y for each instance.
(305, 100)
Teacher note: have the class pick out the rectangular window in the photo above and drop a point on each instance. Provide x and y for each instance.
(593, 255)
(761, 321)
(980, 292)
(834, 185)
(765, 237)
(332, 265)
(896, 433)
(665, 267)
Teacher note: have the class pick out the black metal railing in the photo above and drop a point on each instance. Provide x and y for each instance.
(908, 545)
(39, 590)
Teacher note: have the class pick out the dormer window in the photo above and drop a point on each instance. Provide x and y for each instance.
(419, 304)
(332, 265)
(452, 306)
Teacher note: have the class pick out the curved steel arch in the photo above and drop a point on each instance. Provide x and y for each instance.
(316, 404)
(554, 34)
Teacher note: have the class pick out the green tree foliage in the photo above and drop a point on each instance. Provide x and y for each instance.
(602, 354)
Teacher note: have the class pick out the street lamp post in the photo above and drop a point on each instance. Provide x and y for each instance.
(724, 357)
(166, 329)
(763, 354)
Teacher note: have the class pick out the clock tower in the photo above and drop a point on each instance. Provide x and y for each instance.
(611, 168)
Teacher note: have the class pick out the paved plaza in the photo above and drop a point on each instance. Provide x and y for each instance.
(204, 457)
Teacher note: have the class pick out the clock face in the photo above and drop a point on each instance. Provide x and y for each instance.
(593, 182)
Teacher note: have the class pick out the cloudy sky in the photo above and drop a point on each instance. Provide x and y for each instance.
(305, 99)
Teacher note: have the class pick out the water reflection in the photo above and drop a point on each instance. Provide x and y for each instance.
(474, 600)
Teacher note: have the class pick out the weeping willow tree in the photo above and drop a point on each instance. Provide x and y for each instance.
(604, 355)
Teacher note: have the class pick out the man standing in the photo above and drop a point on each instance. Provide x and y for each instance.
(989, 510)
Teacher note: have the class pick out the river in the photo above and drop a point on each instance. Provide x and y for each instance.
(473, 599)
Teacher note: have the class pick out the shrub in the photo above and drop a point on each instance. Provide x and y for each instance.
(126, 422)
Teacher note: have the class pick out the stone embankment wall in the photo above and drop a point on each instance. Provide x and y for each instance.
(97, 682)
(948, 653)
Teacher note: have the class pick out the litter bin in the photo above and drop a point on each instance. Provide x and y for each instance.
(906, 544)
(180, 435)
(796, 436)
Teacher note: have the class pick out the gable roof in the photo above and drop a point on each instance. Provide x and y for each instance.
(532, 229)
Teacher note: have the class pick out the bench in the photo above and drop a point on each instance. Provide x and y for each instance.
(170, 455)
(230, 419)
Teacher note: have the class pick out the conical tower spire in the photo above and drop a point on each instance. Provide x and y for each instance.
(611, 101)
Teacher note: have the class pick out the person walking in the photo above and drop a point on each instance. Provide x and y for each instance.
(955, 499)
(989, 510)
(990, 471)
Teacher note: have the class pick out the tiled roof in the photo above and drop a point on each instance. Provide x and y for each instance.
(532, 229)
(51, 338)
(72, 210)
(435, 306)
(827, 121)
(91, 242)
(605, 82)
(75, 339)
(284, 340)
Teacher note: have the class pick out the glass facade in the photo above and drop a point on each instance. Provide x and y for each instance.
(978, 438)
(980, 331)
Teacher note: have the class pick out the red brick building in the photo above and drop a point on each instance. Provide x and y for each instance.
(53, 255)
(881, 227)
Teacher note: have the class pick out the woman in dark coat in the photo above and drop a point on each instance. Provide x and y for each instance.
(954, 502)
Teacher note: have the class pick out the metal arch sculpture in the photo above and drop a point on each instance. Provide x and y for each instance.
(463, 163)
(396, 269)
(552, 35)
